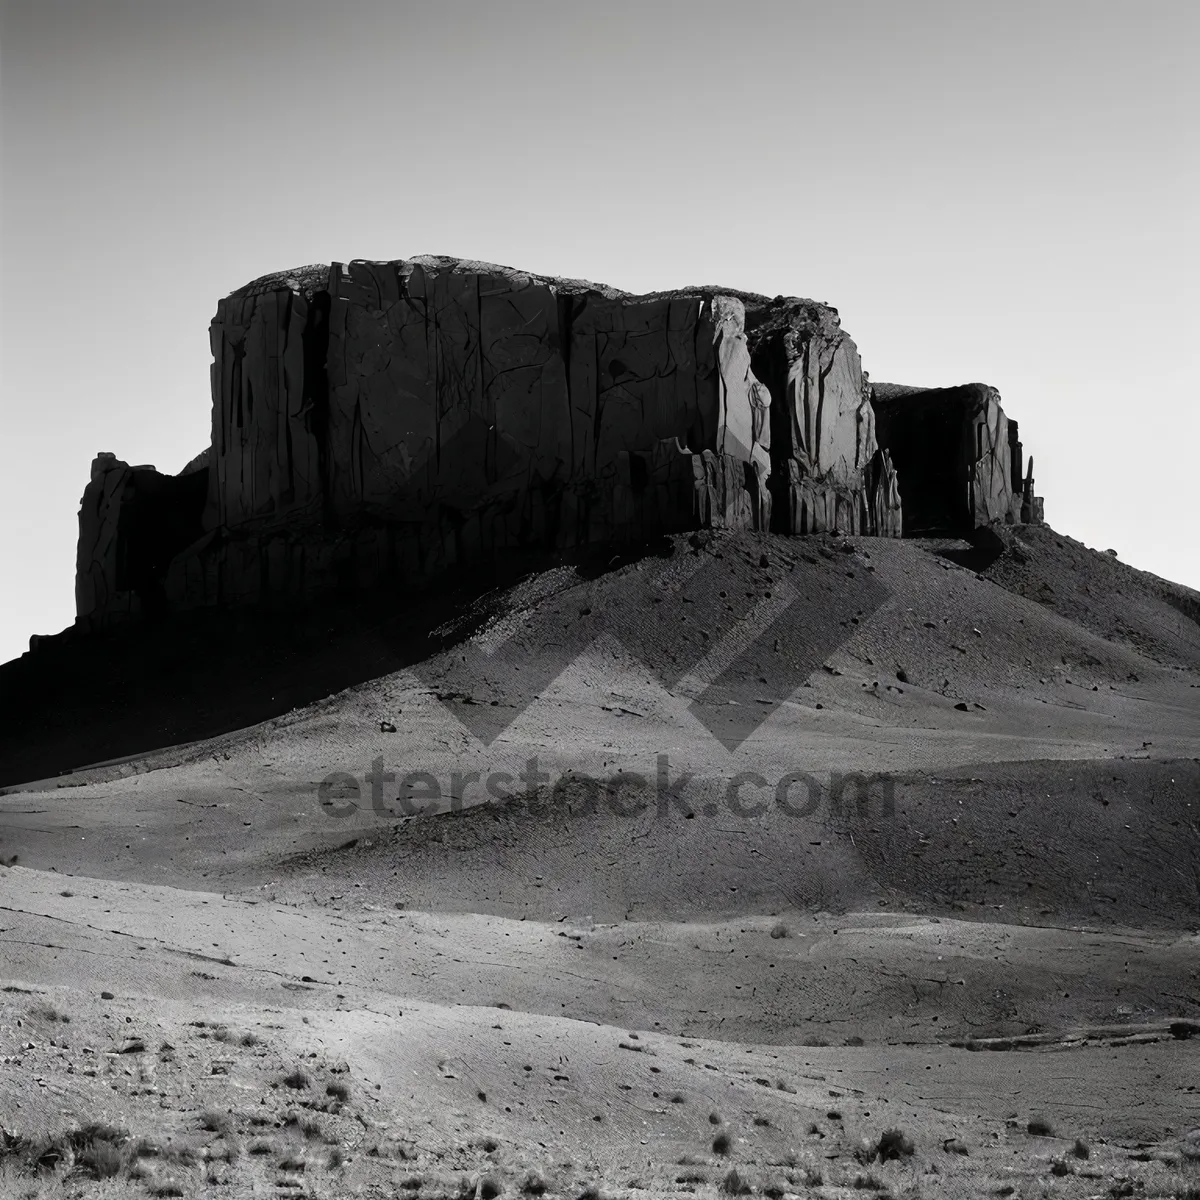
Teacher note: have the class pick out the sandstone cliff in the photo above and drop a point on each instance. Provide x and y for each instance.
(394, 420)
(132, 522)
(957, 455)
(829, 470)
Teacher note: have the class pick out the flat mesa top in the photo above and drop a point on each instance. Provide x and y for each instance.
(308, 280)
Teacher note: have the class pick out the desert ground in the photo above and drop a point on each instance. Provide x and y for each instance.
(769, 866)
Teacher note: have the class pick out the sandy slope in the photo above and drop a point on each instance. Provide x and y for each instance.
(582, 973)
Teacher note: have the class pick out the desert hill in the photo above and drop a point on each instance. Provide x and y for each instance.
(461, 781)
(552, 988)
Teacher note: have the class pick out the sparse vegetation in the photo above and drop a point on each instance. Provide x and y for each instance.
(894, 1143)
(869, 1183)
(734, 1185)
(214, 1121)
(309, 1127)
(47, 1012)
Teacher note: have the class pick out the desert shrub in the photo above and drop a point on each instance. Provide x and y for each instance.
(338, 1090)
(101, 1160)
(310, 1127)
(1040, 1127)
(894, 1143)
(1081, 1149)
(734, 1185)
(47, 1012)
(869, 1183)
(296, 1079)
(214, 1121)
(101, 1151)
(720, 1144)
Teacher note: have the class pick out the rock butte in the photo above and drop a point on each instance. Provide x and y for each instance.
(393, 420)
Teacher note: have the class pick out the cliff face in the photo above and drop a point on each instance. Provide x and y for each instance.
(391, 420)
(958, 458)
(400, 418)
(133, 521)
(829, 471)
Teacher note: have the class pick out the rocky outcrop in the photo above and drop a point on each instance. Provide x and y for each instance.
(828, 470)
(394, 420)
(378, 419)
(268, 345)
(133, 521)
(957, 456)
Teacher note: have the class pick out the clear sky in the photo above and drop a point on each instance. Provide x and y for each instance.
(986, 191)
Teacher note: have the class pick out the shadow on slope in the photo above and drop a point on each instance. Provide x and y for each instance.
(79, 700)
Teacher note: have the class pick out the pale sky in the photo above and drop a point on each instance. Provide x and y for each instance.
(986, 191)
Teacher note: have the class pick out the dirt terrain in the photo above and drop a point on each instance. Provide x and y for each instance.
(733, 858)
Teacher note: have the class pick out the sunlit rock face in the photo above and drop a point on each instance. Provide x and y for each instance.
(395, 420)
(829, 472)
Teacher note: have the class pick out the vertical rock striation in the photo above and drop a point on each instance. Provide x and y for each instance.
(829, 472)
(958, 457)
(393, 420)
(377, 419)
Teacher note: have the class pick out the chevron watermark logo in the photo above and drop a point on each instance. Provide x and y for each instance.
(733, 630)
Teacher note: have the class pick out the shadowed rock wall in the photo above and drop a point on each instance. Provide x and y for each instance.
(133, 521)
(378, 420)
(958, 458)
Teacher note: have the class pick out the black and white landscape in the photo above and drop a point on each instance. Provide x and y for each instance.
(544, 737)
